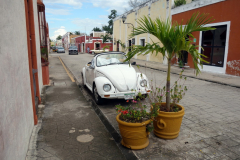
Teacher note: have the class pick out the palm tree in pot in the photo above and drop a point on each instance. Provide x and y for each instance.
(172, 40)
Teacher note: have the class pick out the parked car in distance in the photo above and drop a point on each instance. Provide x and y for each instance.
(60, 50)
(107, 76)
(54, 48)
(73, 50)
(57, 48)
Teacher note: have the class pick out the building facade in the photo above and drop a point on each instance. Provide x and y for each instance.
(221, 46)
(154, 9)
(94, 43)
(21, 77)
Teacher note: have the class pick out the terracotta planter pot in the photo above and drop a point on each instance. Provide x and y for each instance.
(134, 135)
(167, 124)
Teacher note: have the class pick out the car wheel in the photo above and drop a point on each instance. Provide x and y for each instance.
(83, 81)
(93, 53)
(98, 99)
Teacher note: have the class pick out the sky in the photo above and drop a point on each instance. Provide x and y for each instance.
(80, 15)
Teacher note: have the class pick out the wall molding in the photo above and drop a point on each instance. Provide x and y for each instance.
(194, 5)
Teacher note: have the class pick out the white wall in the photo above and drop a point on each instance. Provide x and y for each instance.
(16, 113)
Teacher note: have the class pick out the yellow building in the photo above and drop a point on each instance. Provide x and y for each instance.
(121, 31)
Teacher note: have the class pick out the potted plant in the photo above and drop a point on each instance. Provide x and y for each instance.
(172, 40)
(45, 68)
(135, 123)
(107, 46)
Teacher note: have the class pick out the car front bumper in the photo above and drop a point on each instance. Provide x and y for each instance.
(121, 95)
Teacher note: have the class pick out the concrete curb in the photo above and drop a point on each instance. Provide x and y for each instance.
(128, 154)
(236, 86)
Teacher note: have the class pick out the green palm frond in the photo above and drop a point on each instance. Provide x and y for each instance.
(174, 39)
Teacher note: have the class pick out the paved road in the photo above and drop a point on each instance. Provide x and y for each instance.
(210, 127)
(70, 129)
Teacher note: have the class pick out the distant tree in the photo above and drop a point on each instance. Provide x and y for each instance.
(77, 32)
(59, 37)
(135, 3)
(106, 28)
(96, 29)
(112, 16)
(70, 33)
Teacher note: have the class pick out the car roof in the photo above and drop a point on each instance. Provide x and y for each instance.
(111, 52)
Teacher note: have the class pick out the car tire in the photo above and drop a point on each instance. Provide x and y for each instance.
(99, 100)
(93, 53)
(83, 85)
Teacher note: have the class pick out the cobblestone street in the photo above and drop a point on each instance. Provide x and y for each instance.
(210, 127)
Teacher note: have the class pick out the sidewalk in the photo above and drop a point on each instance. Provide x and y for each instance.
(69, 128)
(229, 80)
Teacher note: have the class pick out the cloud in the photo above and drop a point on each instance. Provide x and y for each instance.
(60, 31)
(55, 19)
(57, 11)
(75, 3)
(119, 5)
(88, 24)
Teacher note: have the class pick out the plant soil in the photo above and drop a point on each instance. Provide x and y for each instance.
(134, 120)
(173, 108)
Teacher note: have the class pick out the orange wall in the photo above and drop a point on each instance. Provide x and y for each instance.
(228, 10)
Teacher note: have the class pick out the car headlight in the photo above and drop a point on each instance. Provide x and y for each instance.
(143, 83)
(106, 87)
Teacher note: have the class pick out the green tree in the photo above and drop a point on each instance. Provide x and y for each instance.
(77, 32)
(179, 2)
(96, 29)
(171, 41)
(106, 28)
(59, 37)
(70, 33)
(106, 37)
(110, 22)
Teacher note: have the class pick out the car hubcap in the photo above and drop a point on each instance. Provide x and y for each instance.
(95, 93)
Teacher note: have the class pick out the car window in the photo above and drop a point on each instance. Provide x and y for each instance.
(108, 59)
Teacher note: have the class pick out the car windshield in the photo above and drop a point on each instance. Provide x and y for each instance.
(109, 59)
(73, 47)
(60, 47)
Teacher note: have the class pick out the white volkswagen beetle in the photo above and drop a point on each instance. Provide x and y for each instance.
(107, 76)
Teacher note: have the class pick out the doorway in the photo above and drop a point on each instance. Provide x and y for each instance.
(129, 44)
(118, 46)
(97, 46)
(79, 47)
(83, 48)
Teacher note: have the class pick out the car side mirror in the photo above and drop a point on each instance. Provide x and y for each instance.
(89, 63)
(133, 63)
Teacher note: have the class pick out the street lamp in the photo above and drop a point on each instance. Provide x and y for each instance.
(124, 19)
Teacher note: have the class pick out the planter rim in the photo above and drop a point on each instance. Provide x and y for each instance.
(172, 113)
(132, 124)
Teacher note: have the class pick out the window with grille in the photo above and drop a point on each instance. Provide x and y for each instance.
(142, 42)
(213, 44)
